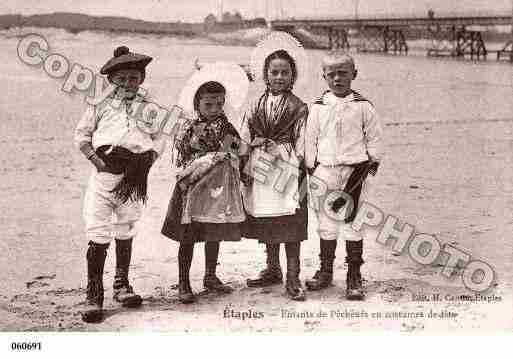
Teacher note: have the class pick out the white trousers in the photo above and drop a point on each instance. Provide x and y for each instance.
(105, 217)
(331, 225)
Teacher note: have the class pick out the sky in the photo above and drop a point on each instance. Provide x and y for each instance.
(196, 10)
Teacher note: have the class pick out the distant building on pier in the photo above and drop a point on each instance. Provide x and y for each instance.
(231, 22)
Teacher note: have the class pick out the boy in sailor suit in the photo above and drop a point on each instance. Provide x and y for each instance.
(343, 138)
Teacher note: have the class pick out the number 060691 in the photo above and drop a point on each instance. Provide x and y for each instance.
(26, 346)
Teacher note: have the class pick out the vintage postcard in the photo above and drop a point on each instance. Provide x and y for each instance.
(256, 166)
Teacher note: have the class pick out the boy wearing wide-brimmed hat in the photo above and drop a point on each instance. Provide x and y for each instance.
(112, 135)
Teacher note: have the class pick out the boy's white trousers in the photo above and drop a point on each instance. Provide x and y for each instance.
(331, 225)
(105, 217)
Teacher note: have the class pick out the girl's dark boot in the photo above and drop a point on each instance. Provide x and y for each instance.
(272, 274)
(293, 284)
(211, 281)
(185, 253)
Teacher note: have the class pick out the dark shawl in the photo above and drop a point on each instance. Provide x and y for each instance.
(135, 168)
(283, 124)
(353, 187)
(202, 136)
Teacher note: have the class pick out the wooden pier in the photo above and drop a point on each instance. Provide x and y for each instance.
(448, 36)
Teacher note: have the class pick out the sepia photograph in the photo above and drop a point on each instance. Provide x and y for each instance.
(255, 167)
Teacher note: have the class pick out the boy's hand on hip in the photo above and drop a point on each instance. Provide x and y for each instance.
(372, 158)
(154, 156)
(98, 163)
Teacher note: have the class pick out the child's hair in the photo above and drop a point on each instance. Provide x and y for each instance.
(336, 57)
(282, 55)
(208, 87)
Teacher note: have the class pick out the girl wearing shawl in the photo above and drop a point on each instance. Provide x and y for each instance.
(276, 211)
(206, 204)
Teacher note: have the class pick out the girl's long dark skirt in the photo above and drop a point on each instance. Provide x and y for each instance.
(195, 231)
(282, 229)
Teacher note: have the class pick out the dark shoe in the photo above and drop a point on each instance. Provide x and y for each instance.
(319, 281)
(294, 289)
(92, 311)
(354, 289)
(266, 278)
(126, 296)
(185, 254)
(272, 274)
(123, 291)
(354, 282)
(185, 294)
(212, 283)
(323, 278)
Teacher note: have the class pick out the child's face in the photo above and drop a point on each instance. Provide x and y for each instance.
(211, 105)
(279, 75)
(339, 77)
(129, 79)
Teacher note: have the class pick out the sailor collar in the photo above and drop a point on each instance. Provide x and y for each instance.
(328, 98)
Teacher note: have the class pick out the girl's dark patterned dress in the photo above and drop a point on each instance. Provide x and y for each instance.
(200, 137)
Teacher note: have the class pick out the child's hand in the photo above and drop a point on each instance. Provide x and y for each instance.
(98, 163)
(154, 156)
(373, 159)
(246, 179)
(259, 141)
(272, 148)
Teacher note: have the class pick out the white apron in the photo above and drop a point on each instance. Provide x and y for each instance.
(274, 188)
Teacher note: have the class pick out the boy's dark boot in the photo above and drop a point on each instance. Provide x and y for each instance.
(92, 311)
(354, 289)
(185, 253)
(123, 291)
(272, 274)
(324, 276)
(293, 284)
(211, 281)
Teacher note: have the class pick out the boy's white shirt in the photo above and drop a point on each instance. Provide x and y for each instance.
(342, 131)
(109, 124)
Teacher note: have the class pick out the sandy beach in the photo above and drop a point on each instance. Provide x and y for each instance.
(448, 171)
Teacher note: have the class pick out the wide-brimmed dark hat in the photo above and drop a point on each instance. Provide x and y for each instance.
(124, 59)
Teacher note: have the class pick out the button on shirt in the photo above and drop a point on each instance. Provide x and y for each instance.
(341, 131)
(110, 124)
